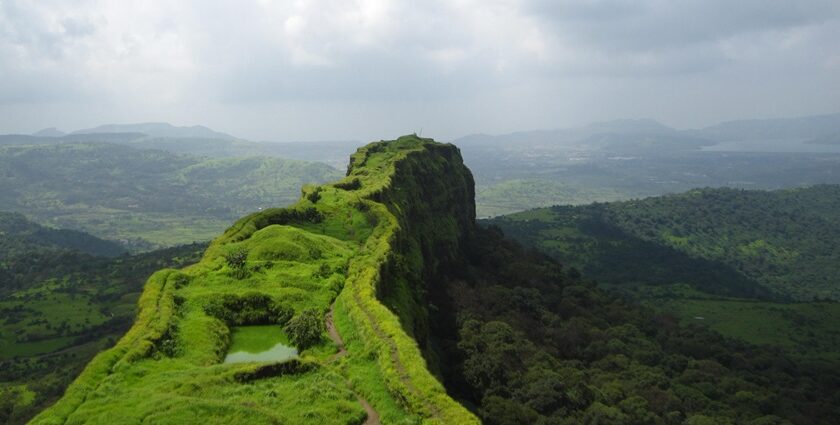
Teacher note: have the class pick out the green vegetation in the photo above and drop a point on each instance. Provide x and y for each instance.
(21, 235)
(422, 308)
(804, 330)
(347, 247)
(526, 341)
(59, 306)
(305, 329)
(782, 242)
(726, 259)
(145, 199)
(511, 196)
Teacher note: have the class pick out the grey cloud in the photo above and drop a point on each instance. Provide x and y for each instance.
(364, 76)
(656, 38)
(491, 65)
(21, 28)
(73, 27)
(656, 24)
(40, 87)
(32, 53)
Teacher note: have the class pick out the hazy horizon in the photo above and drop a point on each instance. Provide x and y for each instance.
(328, 70)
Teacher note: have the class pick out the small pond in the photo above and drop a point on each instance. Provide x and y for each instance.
(259, 344)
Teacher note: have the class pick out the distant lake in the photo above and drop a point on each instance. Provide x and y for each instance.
(772, 145)
(259, 344)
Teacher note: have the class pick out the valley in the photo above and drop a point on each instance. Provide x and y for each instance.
(64, 297)
(403, 310)
(745, 265)
(144, 199)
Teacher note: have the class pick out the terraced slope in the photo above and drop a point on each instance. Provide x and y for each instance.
(358, 248)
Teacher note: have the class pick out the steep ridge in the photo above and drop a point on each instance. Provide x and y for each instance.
(365, 248)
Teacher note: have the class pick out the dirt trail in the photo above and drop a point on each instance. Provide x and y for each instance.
(395, 357)
(372, 414)
(334, 336)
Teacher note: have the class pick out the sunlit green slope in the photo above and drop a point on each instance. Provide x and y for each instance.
(344, 250)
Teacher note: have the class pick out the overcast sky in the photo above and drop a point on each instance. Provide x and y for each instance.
(371, 69)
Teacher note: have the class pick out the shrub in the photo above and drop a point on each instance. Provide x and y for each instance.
(315, 195)
(323, 271)
(238, 261)
(354, 184)
(305, 329)
(250, 309)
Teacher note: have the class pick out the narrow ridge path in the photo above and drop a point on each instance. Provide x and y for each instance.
(334, 336)
(395, 357)
(372, 414)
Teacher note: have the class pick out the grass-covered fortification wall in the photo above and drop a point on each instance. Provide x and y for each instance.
(361, 251)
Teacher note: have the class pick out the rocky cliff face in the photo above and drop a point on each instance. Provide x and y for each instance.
(431, 195)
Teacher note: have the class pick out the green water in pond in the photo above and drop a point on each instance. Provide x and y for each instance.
(259, 344)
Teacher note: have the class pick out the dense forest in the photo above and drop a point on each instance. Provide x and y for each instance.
(145, 198)
(725, 241)
(64, 296)
(525, 340)
(757, 266)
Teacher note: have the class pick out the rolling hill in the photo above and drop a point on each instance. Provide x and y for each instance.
(143, 198)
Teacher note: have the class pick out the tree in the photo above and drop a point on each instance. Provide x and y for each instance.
(305, 329)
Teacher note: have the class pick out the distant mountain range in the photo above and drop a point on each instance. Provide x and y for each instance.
(653, 133)
(158, 129)
(810, 133)
(49, 132)
(149, 129)
(601, 161)
(809, 127)
(194, 140)
(647, 133)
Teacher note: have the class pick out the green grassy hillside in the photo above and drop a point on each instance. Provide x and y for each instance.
(60, 305)
(145, 198)
(335, 250)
